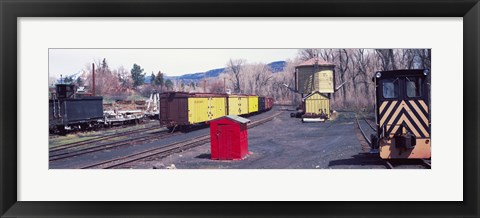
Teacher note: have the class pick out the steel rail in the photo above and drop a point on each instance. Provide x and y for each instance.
(363, 132)
(101, 138)
(427, 163)
(109, 145)
(388, 164)
(370, 125)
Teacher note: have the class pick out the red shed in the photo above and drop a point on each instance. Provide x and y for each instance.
(229, 138)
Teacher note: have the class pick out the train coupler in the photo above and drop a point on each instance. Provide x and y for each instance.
(406, 141)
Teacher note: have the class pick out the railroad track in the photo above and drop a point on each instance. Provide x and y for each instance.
(389, 164)
(54, 156)
(394, 163)
(101, 138)
(372, 126)
(365, 131)
(164, 150)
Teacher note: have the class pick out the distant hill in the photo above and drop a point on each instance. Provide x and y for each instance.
(277, 66)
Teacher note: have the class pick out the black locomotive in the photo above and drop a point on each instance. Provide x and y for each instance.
(69, 110)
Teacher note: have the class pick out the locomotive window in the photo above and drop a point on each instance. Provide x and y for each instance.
(390, 88)
(414, 86)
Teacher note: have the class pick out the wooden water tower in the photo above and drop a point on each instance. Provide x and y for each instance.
(315, 75)
(315, 81)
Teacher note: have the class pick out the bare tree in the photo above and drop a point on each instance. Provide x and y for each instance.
(124, 77)
(234, 68)
(343, 67)
(106, 81)
(425, 56)
(328, 55)
(216, 86)
(387, 58)
(307, 54)
(262, 78)
(405, 58)
(363, 61)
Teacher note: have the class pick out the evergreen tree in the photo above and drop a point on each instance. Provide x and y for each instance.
(79, 81)
(153, 80)
(159, 80)
(68, 79)
(138, 76)
(169, 84)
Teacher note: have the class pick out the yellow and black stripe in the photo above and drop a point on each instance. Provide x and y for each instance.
(412, 114)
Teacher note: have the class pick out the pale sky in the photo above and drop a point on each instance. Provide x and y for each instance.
(173, 62)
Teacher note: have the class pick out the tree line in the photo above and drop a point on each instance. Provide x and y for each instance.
(120, 82)
(356, 67)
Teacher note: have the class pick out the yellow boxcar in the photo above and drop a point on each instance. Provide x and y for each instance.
(205, 108)
(217, 107)
(237, 104)
(316, 104)
(252, 104)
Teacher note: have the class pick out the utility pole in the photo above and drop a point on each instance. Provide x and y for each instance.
(93, 78)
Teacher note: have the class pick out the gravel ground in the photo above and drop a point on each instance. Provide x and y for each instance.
(284, 143)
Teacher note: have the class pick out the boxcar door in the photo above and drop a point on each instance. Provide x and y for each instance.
(224, 142)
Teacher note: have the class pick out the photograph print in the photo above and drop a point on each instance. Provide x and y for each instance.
(305, 108)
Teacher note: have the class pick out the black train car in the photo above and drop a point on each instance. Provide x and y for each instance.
(69, 112)
(402, 114)
(261, 104)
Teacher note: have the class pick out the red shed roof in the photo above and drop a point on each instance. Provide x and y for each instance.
(233, 118)
(311, 62)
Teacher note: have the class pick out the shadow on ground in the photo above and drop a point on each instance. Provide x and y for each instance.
(203, 156)
(361, 159)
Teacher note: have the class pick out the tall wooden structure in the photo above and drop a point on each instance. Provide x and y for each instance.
(315, 81)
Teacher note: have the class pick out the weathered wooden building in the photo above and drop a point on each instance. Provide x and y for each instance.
(315, 75)
(315, 81)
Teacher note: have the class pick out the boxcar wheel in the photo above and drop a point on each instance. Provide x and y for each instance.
(61, 130)
(171, 128)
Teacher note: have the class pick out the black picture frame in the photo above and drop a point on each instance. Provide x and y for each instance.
(10, 10)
